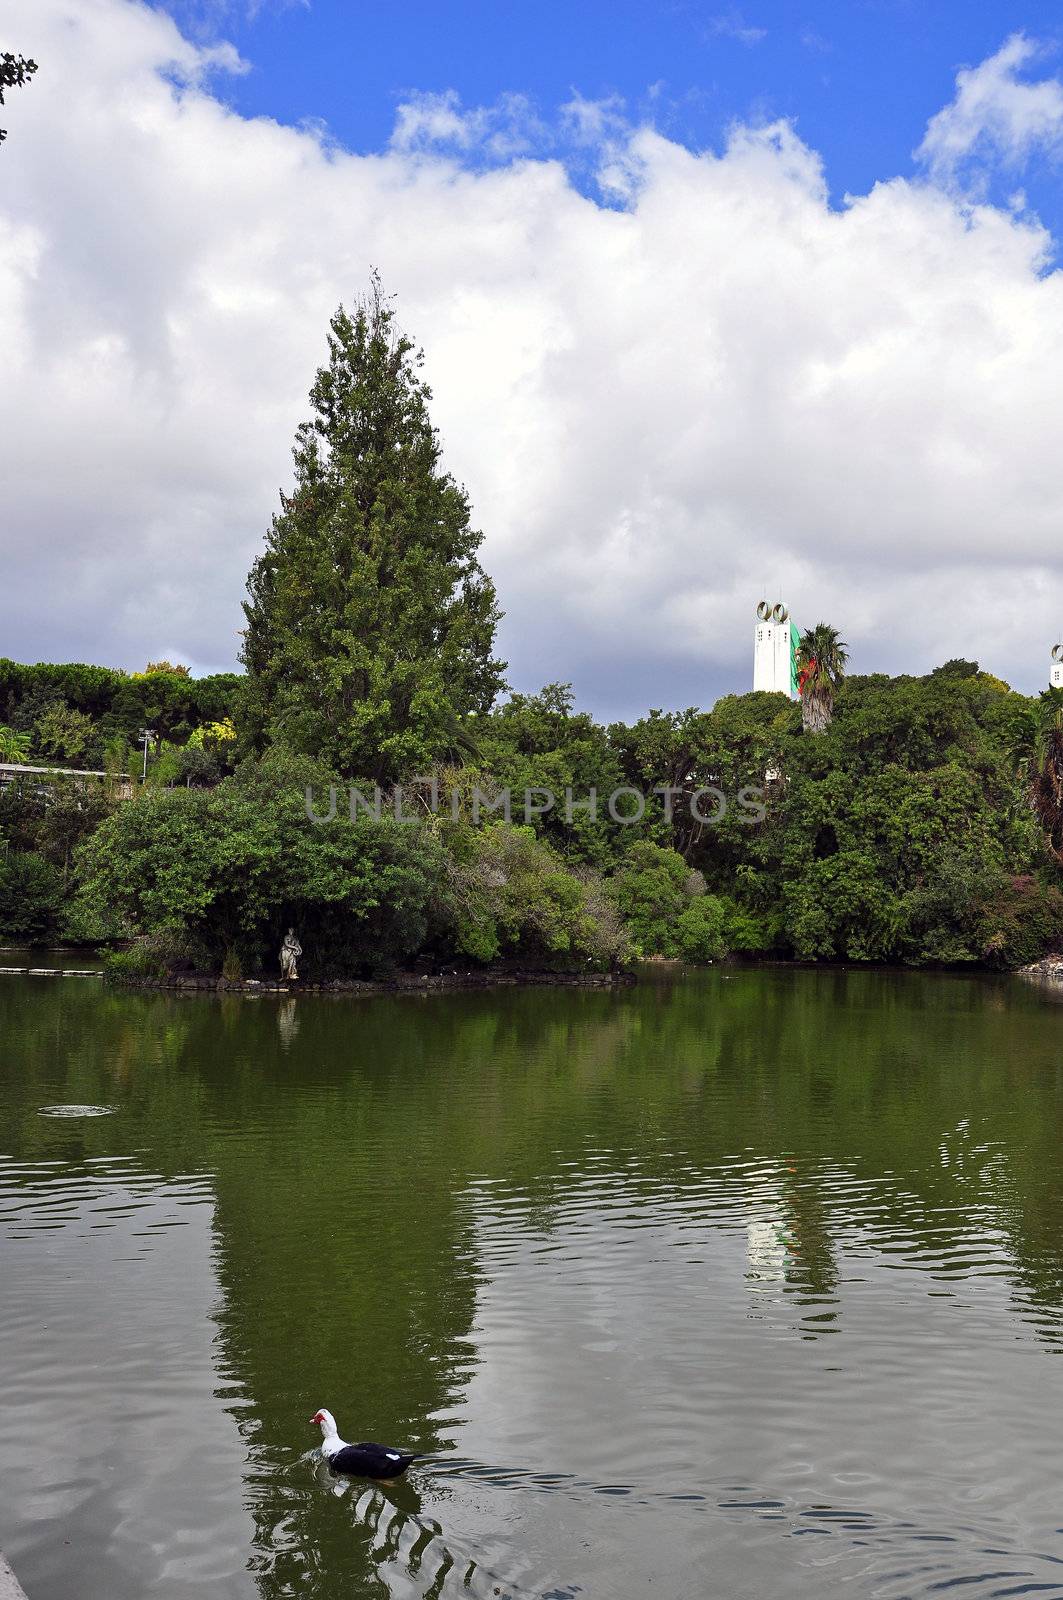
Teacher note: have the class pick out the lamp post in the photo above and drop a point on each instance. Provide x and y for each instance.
(146, 735)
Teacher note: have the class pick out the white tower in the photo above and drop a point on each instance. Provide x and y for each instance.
(774, 645)
(1055, 677)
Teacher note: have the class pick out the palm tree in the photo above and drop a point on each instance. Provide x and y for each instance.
(14, 747)
(821, 659)
(1046, 771)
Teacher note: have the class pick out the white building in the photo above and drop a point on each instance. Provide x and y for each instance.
(774, 650)
(1055, 677)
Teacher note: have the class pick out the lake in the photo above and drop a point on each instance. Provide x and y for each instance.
(747, 1283)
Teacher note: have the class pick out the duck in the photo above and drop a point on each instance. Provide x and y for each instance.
(365, 1460)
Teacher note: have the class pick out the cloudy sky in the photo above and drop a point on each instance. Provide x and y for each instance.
(716, 304)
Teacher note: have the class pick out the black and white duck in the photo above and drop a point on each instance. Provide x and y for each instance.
(365, 1460)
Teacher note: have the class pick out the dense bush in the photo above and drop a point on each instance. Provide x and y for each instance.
(699, 930)
(664, 905)
(1018, 923)
(232, 867)
(511, 895)
(141, 960)
(650, 890)
(31, 896)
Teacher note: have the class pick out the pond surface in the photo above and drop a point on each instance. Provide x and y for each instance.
(748, 1284)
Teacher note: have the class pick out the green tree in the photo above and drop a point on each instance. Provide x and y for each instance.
(64, 816)
(168, 667)
(65, 733)
(699, 930)
(31, 892)
(651, 888)
(370, 623)
(510, 894)
(14, 747)
(821, 659)
(540, 742)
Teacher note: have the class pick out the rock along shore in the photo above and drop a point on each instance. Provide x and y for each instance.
(1048, 969)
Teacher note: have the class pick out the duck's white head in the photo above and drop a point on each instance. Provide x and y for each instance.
(326, 1421)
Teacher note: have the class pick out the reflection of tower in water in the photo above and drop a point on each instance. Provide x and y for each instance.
(766, 1251)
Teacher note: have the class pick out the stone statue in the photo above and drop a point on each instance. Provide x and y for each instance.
(291, 950)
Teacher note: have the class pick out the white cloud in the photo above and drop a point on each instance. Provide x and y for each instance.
(995, 117)
(206, 17)
(732, 25)
(664, 410)
(431, 119)
(439, 122)
(592, 122)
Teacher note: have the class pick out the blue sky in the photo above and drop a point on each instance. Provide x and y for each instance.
(859, 80)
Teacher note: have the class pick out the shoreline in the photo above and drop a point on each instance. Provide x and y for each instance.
(1047, 972)
(401, 983)
(10, 1588)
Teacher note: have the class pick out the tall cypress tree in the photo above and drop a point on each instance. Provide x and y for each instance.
(370, 623)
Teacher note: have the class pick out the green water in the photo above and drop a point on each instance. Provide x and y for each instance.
(744, 1285)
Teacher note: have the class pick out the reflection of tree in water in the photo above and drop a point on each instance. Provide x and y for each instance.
(342, 1151)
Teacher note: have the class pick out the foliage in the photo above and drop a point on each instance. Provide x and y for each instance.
(1019, 922)
(117, 705)
(231, 867)
(840, 908)
(15, 73)
(370, 623)
(64, 732)
(536, 743)
(72, 813)
(510, 894)
(1046, 771)
(31, 893)
(650, 890)
(157, 955)
(50, 819)
(957, 667)
(204, 760)
(213, 733)
(167, 667)
(14, 747)
(699, 930)
(232, 968)
(922, 826)
(747, 932)
(142, 960)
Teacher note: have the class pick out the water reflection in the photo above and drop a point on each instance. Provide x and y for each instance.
(757, 1275)
(287, 1021)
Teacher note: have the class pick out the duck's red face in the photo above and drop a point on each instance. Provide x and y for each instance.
(317, 1418)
